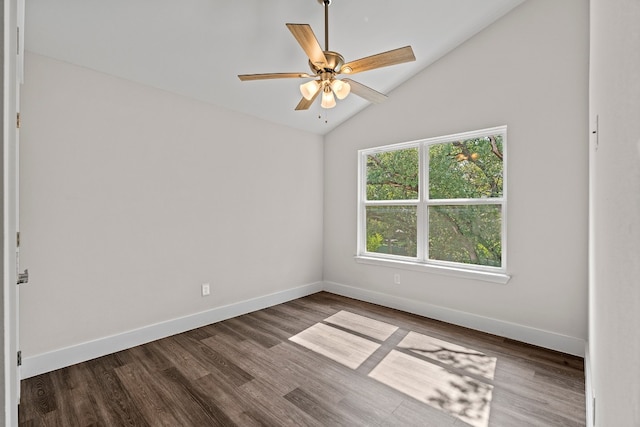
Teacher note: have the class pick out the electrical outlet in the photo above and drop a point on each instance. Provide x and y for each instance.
(396, 278)
(206, 289)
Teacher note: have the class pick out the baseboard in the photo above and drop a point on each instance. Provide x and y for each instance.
(60, 358)
(589, 394)
(542, 338)
(50, 361)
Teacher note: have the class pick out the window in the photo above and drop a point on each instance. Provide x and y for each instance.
(437, 202)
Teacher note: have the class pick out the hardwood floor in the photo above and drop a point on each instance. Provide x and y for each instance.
(322, 360)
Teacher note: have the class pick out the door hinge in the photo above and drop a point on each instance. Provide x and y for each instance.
(19, 358)
(18, 120)
(17, 239)
(23, 277)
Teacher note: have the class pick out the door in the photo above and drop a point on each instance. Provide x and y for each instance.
(11, 86)
(22, 277)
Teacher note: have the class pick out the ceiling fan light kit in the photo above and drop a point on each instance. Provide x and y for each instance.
(328, 100)
(326, 65)
(309, 89)
(340, 88)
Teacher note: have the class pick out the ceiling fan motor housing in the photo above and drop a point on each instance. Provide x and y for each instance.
(334, 63)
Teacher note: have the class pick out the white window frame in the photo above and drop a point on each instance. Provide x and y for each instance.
(421, 262)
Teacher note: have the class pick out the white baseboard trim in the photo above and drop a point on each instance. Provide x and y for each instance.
(50, 361)
(60, 358)
(539, 337)
(589, 394)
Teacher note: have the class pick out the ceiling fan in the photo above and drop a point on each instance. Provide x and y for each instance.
(326, 65)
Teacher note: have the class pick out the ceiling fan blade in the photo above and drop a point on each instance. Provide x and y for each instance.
(266, 76)
(391, 57)
(366, 92)
(305, 103)
(309, 43)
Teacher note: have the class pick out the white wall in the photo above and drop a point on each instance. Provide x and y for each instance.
(132, 197)
(528, 71)
(614, 293)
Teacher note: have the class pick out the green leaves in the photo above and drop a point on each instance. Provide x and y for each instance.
(393, 175)
(466, 169)
(469, 234)
(392, 230)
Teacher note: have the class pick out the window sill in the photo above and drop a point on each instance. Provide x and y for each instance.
(485, 276)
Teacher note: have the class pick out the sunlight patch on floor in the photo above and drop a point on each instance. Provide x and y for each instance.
(454, 355)
(343, 347)
(443, 375)
(458, 395)
(363, 325)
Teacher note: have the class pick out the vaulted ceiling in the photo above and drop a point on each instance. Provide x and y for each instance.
(197, 48)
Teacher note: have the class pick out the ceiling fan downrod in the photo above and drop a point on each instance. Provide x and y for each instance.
(326, 23)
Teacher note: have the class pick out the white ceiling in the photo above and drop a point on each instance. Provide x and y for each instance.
(197, 47)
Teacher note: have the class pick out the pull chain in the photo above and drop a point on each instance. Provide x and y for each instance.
(326, 116)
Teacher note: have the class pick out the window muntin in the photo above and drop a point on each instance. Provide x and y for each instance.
(438, 201)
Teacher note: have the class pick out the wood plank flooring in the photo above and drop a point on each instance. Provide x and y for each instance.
(322, 360)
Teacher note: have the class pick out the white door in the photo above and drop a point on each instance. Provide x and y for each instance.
(22, 276)
(11, 86)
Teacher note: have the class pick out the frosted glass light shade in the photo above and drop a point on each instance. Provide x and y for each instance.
(328, 101)
(309, 89)
(341, 88)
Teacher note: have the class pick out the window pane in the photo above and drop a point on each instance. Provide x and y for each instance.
(392, 230)
(393, 175)
(468, 234)
(468, 169)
